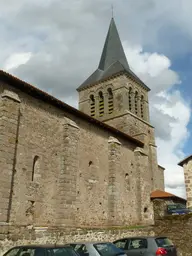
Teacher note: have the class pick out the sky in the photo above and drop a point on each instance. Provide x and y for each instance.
(56, 45)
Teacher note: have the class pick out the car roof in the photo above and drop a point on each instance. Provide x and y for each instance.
(42, 246)
(91, 242)
(139, 237)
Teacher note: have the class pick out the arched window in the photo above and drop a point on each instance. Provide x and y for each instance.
(130, 98)
(35, 170)
(136, 101)
(92, 105)
(110, 100)
(142, 103)
(101, 104)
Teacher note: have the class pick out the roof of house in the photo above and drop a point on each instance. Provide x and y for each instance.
(163, 194)
(181, 163)
(113, 61)
(41, 95)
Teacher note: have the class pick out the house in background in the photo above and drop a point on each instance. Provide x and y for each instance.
(167, 197)
(164, 203)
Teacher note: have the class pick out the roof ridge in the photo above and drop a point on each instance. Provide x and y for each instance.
(44, 96)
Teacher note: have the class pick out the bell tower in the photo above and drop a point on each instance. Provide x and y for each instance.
(113, 89)
(114, 94)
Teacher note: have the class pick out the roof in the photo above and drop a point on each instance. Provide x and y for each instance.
(89, 242)
(113, 49)
(181, 163)
(42, 246)
(162, 194)
(113, 61)
(43, 96)
(139, 237)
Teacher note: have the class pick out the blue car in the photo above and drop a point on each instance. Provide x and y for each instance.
(177, 209)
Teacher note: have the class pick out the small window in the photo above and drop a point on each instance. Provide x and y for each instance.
(136, 101)
(130, 98)
(92, 105)
(110, 100)
(35, 170)
(101, 104)
(137, 243)
(142, 103)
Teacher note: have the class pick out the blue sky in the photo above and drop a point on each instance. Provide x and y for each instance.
(56, 44)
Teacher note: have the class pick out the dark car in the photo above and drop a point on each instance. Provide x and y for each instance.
(147, 246)
(41, 250)
(177, 209)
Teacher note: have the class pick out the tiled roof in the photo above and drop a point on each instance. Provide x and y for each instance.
(163, 194)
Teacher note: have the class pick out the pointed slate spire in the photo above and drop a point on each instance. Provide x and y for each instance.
(113, 49)
(113, 60)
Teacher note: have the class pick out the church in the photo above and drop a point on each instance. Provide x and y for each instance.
(95, 166)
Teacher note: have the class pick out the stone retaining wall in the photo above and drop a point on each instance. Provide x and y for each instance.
(12, 236)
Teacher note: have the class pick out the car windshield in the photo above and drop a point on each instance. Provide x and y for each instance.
(80, 249)
(108, 249)
(163, 242)
(176, 206)
(64, 251)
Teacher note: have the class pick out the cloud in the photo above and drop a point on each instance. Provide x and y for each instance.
(17, 59)
(169, 112)
(64, 40)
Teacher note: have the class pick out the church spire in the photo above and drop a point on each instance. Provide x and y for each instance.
(113, 49)
(113, 60)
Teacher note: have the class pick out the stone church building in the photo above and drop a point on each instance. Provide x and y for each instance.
(95, 166)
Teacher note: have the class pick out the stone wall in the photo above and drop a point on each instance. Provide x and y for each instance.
(123, 90)
(178, 229)
(12, 236)
(187, 167)
(56, 167)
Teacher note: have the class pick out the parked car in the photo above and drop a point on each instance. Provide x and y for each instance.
(41, 250)
(177, 209)
(97, 249)
(147, 246)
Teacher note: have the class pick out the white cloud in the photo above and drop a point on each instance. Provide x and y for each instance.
(170, 113)
(16, 60)
(66, 39)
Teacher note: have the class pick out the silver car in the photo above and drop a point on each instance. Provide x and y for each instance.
(97, 249)
(147, 246)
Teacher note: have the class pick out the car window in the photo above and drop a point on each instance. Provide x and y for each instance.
(64, 251)
(12, 252)
(80, 249)
(163, 242)
(31, 252)
(137, 243)
(121, 243)
(108, 249)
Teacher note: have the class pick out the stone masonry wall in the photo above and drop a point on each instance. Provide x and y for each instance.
(178, 229)
(20, 235)
(9, 129)
(187, 167)
(61, 166)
